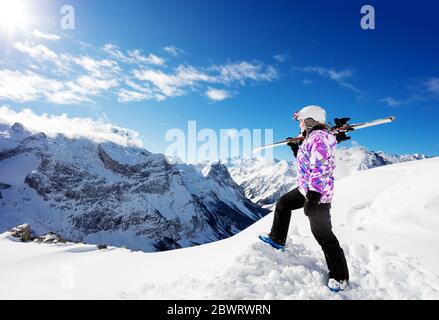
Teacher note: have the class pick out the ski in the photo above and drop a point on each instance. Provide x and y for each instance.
(341, 126)
(369, 124)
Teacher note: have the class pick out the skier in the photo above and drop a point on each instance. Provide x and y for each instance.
(316, 164)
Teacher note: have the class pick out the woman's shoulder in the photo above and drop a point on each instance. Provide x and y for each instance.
(321, 136)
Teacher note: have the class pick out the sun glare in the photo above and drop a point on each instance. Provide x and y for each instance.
(13, 15)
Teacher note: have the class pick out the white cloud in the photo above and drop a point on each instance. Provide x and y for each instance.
(137, 56)
(169, 85)
(243, 71)
(28, 86)
(188, 75)
(392, 102)
(172, 85)
(134, 85)
(307, 81)
(153, 59)
(98, 68)
(339, 77)
(125, 95)
(39, 52)
(81, 90)
(127, 75)
(95, 86)
(188, 78)
(432, 85)
(52, 125)
(46, 36)
(330, 73)
(174, 51)
(422, 90)
(25, 86)
(114, 51)
(280, 57)
(133, 56)
(70, 94)
(217, 94)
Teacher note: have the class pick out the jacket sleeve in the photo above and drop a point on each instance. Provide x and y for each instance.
(319, 155)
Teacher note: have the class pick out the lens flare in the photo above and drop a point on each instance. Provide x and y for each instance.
(13, 15)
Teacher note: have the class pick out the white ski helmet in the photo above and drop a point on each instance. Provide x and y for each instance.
(316, 113)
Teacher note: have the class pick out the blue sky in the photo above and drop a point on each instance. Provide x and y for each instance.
(155, 65)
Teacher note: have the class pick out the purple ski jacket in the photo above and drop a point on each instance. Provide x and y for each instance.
(316, 164)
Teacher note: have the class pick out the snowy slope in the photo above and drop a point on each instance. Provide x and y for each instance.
(264, 181)
(385, 218)
(114, 194)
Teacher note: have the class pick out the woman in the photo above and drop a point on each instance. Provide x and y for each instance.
(315, 178)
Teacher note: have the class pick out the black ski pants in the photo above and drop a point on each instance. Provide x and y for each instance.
(321, 228)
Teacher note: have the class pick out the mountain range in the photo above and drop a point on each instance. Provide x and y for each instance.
(113, 194)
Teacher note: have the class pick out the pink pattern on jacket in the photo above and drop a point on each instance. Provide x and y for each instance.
(316, 164)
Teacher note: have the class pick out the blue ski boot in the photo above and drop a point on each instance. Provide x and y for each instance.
(337, 286)
(266, 238)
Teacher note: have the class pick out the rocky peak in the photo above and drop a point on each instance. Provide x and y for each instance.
(18, 128)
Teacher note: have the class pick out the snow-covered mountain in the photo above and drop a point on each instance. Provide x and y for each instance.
(113, 194)
(357, 158)
(264, 181)
(387, 221)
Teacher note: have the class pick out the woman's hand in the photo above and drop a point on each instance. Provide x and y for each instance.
(342, 137)
(294, 145)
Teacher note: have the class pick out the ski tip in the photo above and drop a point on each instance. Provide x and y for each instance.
(392, 118)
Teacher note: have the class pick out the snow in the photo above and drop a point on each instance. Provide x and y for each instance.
(400, 211)
(13, 171)
(387, 220)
